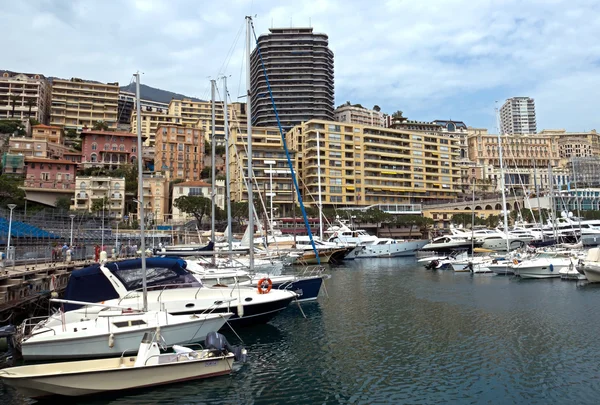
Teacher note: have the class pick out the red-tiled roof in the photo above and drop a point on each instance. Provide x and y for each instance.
(112, 133)
(196, 183)
(42, 126)
(44, 160)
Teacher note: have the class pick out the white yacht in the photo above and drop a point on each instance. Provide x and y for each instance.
(449, 243)
(368, 246)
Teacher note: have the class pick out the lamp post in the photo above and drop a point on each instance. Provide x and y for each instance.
(11, 207)
(72, 216)
(271, 163)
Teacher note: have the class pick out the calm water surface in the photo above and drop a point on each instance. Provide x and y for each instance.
(391, 332)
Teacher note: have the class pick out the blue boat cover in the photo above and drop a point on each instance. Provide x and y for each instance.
(91, 285)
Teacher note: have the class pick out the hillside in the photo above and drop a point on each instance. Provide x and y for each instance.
(154, 94)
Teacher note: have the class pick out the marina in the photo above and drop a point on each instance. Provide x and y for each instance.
(390, 331)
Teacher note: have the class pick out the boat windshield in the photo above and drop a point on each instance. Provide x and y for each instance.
(132, 278)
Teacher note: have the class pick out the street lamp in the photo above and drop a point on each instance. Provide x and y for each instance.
(11, 207)
(271, 163)
(72, 216)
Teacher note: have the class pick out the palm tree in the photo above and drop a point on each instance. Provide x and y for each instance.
(14, 99)
(30, 104)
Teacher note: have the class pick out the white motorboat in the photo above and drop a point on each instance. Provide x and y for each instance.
(449, 243)
(590, 267)
(149, 368)
(543, 265)
(111, 332)
(171, 288)
(501, 267)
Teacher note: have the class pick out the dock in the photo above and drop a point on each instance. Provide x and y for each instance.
(26, 283)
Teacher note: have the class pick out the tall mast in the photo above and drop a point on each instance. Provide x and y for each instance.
(502, 185)
(213, 193)
(141, 190)
(249, 133)
(227, 185)
(319, 182)
(537, 194)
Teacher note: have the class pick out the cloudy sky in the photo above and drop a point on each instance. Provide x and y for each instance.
(432, 59)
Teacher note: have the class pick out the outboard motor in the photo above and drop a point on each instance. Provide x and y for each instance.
(7, 345)
(218, 343)
(432, 265)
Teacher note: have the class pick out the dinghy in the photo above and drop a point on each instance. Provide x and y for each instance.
(148, 368)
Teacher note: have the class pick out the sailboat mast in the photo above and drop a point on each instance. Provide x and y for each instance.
(537, 194)
(141, 190)
(213, 192)
(502, 181)
(473, 221)
(249, 133)
(227, 179)
(319, 183)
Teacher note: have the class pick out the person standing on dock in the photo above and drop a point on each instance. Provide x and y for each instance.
(97, 253)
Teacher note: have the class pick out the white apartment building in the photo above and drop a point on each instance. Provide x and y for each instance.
(517, 116)
(92, 188)
(358, 115)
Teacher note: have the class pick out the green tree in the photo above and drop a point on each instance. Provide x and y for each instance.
(220, 150)
(239, 211)
(100, 204)
(129, 171)
(13, 99)
(195, 205)
(10, 191)
(63, 203)
(206, 173)
(207, 148)
(33, 122)
(12, 126)
(30, 103)
(376, 108)
(100, 126)
(398, 114)
(71, 133)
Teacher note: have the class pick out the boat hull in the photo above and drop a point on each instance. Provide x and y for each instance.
(400, 249)
(44, 346)
(592, 273)
(539, 271)
(307, 288)
(114, 374)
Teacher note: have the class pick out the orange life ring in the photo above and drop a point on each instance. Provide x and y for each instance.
(261, 285)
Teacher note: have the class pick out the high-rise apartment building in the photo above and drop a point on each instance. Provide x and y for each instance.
(78, 104)
(517, 116)
(269, 165)
(179, 151)
(364, 165)
(299, 65)
(127, 107)
(198, 114)
(355, 114)
(24, 96)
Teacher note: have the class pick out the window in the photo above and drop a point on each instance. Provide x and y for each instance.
(45, 176)
(106, 146)
(335, 189)
(133, 149)
(94, 146)
(93, 158)
(122, 148)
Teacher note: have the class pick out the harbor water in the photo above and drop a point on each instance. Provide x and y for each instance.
(390, 331)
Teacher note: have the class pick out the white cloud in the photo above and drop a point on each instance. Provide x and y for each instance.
(431, 59)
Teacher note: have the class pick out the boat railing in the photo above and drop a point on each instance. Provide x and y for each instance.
(28, 326)
(162, 287)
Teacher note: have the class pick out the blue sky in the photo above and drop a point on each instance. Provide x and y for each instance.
(432, 59)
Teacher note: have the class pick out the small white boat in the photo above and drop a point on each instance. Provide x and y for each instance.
(590, 267)
(148, 368)
(111, 332)
(544, 265)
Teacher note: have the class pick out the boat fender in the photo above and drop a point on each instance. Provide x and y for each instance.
(111, 340)
(515, 262)
(551, 267)
(240, 310)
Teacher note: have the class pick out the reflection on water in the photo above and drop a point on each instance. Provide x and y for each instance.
(392, 332)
